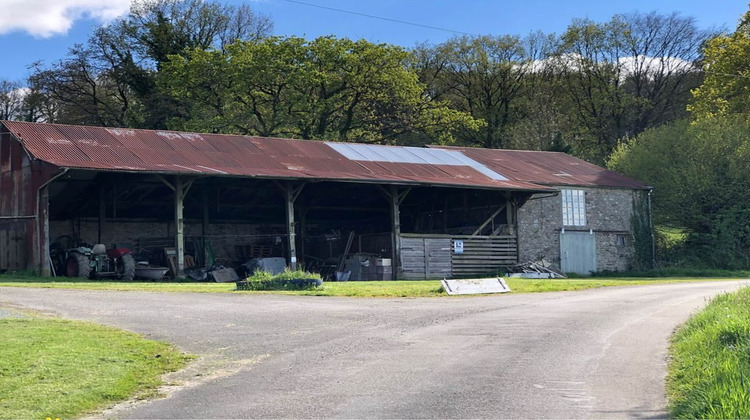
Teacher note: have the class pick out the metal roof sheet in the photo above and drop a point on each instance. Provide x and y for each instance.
(118, 149)
(547, 168)
(416, 155)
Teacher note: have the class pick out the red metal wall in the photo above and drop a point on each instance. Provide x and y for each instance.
(20, 178)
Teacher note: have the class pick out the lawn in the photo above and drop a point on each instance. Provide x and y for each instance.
(422, 288)
(62, 369)
(709, 372)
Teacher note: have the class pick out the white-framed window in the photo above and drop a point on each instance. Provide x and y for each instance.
(574, 207)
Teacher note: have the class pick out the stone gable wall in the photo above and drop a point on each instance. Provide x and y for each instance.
(608, 212)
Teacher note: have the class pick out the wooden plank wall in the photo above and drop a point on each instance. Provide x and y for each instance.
(432, 257)
(425, 258)
(484, 254)
(12, 250)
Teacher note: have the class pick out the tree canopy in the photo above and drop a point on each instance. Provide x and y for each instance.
(726, 89)
(327, 88)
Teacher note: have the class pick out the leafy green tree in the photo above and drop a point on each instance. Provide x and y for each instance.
(482, 76)
(700, 176)
(726, 88)
(327, 88)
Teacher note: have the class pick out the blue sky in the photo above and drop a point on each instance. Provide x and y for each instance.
(38, 29)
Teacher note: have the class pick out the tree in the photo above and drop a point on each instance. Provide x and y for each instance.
(110, 80)
(700, 176)
(628, 74)
(11, 100)
(482, 76)
(727, 83)
(327, 88)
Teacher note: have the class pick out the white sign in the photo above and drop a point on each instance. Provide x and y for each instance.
(475, 286)
(458, 247)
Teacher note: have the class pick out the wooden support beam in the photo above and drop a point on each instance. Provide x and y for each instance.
(395, 197)
(205, 229)
(510, 214)
(179, 202)
(302, 227)
(291, 192)
(102, 213)
(489, 220)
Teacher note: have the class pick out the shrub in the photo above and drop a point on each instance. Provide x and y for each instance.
(287, 280)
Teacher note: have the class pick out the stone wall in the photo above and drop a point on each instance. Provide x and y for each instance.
(608, 213)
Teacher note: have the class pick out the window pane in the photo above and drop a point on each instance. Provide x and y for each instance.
(574, 207)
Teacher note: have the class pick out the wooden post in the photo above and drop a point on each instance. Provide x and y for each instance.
(395, 198)
(179, 201)
(102, 213)
(302, 227)
(291, 192)
(205, 229)
(395, 232)
(510, 214)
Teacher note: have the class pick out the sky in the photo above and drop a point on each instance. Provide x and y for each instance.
(34, 30)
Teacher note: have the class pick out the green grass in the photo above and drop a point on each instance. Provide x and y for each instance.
(678, 272)
(62, 369)
(709, 374)
(421, 288)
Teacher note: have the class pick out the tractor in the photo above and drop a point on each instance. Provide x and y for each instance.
(95, 262)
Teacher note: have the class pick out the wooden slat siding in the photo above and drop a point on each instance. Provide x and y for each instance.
(432, 257)
(12, 255)
(4, 250)
(484, 254)
(412, 258)
(438, 258)
(425, 258)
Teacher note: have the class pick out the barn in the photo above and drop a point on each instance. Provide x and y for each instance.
(376, 212)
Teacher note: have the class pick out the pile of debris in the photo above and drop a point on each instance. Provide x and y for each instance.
(541, 269)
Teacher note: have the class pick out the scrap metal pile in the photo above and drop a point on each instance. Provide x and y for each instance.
(541, 269)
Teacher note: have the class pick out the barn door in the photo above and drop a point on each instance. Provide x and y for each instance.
(577, 252)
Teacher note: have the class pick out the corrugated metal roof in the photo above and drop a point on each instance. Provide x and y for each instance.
(418, 155)
(115, 149)
(547, 168)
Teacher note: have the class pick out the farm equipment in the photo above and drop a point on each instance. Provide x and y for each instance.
(95, 262)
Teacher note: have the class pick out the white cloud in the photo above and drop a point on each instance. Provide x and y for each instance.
(46, 18)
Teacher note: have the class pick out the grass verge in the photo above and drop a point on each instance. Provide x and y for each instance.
(677, 272)
(419, 288)
(709, 374)
(61, 369)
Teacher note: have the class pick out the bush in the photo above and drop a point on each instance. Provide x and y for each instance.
(699, 171)
(288, 280)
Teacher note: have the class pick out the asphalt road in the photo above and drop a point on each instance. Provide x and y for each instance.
(598, 353)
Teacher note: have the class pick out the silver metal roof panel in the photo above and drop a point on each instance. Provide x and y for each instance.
(415, 155)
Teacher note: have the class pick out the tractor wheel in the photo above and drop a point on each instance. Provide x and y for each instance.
(78, 265)
(127, 264)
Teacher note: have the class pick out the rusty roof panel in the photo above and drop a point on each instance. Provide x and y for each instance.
(548, 168)
(114, 149)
